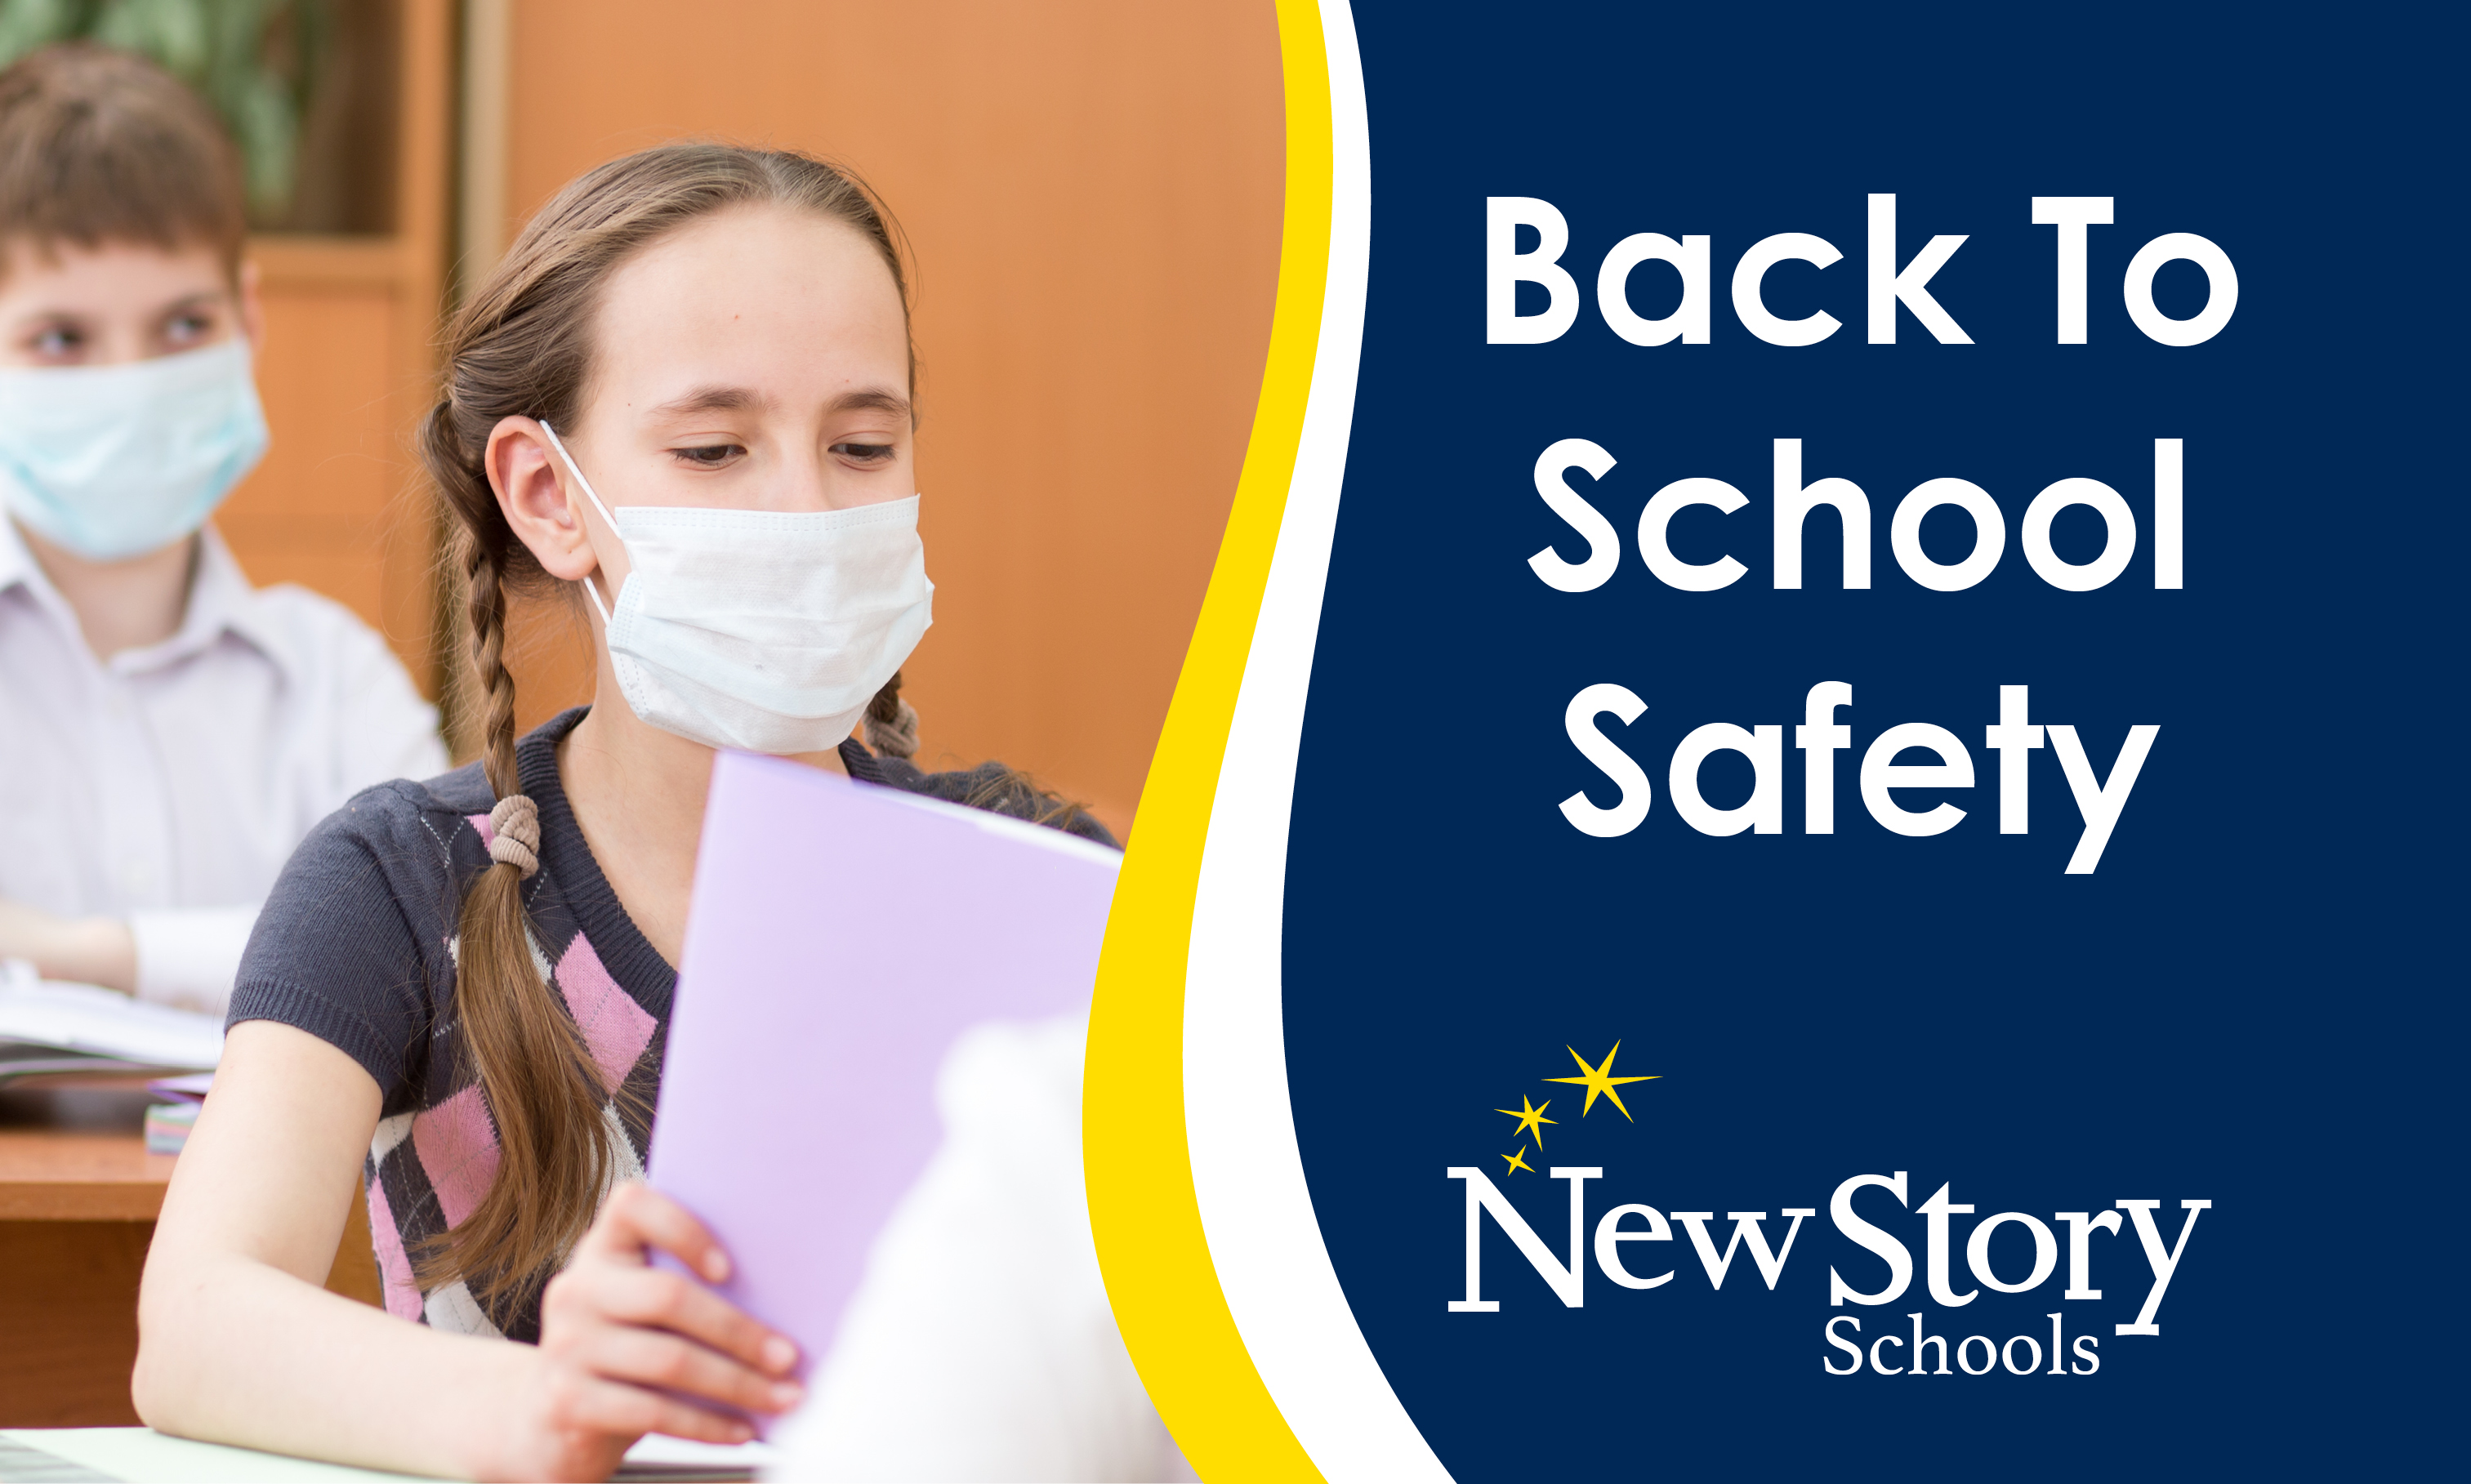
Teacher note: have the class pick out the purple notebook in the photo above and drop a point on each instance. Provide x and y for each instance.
(841, 938)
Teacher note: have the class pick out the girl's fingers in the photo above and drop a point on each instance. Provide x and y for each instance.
(637, 1216)
(651, 1358)
(629, 1411)
(650, 1298)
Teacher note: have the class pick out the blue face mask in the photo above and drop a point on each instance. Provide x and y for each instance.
(116, 461)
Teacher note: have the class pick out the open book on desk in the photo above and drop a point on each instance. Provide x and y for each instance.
(842, 940)
(48, 1025)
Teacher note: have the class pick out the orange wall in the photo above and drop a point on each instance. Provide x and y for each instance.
(1092, 189)
(316, 512)
(346, 372)
(337, 505)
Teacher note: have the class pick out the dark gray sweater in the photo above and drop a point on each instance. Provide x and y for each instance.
(357, 947)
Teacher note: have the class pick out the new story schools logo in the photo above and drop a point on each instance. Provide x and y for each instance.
(1872, 1230)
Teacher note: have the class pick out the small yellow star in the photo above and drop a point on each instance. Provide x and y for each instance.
(1529, 1116)
(1518, 1161)
(1599, 1079)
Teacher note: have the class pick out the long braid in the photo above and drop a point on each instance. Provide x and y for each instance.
(891, 722)
(485, 609)
(543, 1091)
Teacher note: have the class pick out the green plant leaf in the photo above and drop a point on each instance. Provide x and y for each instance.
(175, 32)
(27, 24)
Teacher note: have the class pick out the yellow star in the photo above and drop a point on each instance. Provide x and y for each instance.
(1529, 1117)
(1518, 1161)
(1598, 1079)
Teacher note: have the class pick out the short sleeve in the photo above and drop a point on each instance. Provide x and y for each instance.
(336, 950)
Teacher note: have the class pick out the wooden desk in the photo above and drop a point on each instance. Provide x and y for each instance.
(78, 1196)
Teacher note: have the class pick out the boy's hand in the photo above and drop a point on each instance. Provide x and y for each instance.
(88, 949)
(627, 1349)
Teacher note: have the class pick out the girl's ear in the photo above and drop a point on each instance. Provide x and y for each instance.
(531, 486)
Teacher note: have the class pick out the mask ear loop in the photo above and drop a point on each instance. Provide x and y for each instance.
(591, 589)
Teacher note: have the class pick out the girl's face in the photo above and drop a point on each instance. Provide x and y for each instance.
(756, 360)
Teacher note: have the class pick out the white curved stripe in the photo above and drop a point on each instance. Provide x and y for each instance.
(1239, 1121)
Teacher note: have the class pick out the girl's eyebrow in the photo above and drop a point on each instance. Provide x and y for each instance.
(746, 399)
(873, 399)
(712, 399)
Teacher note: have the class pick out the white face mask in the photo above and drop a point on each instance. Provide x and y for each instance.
(763, 630)
(116, 461)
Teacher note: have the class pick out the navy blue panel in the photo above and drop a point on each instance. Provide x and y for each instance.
(2253, 999)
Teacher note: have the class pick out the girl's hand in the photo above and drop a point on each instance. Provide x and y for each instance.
(624, 1345)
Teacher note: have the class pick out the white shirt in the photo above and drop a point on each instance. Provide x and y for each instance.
(167, 785)
(979, 1344)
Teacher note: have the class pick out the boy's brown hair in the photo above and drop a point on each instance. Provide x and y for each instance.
(101, 145)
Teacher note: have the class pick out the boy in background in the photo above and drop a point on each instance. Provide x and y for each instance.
(167, 733)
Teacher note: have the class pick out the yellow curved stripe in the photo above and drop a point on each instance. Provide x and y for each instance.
(1151, 1249)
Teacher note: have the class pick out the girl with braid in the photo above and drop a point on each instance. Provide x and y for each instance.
(683, 401)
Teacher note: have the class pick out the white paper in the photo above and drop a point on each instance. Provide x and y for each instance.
(99, 1023)
(655, 1456)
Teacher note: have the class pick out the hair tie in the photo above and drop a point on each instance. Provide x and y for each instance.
(897, 738)
(514, 834)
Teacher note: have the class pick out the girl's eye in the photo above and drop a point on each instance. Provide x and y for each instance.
(711, 456)
(57, 340)
(865, 453)
(185, 328)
